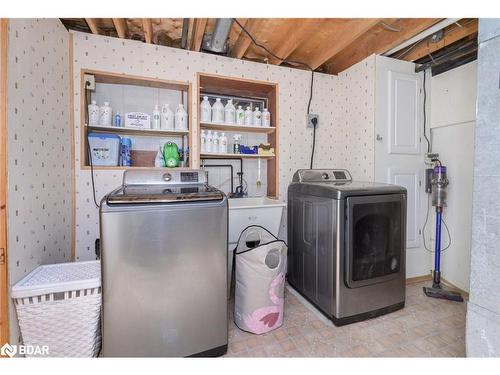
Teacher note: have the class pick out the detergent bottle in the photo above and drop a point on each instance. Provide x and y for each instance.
(171, 154)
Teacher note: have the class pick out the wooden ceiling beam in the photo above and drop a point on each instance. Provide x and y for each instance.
(93, 25)
(121, 27)
(243, 42)
(199, 26)
(147, 26)
(341, 36)
(300, 31)
(377, 40)
(452, 34)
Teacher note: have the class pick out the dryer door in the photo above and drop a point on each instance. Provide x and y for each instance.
(375, 239)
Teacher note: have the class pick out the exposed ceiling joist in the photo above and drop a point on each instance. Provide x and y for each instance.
(452, 34)
(243, 42)
(199, 26)
(330, 41)
(121, 27)
(93, 25)
(148, 30)
(300, 31)
(377, 40)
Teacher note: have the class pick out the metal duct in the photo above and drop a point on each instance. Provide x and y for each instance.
(217, 41)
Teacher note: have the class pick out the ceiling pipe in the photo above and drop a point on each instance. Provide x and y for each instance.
(422, 35)
(217, 41)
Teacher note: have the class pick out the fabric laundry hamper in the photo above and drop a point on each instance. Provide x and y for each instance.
(260, 268)
(59, 308)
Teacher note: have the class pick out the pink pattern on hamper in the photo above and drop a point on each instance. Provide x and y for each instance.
(268, 318)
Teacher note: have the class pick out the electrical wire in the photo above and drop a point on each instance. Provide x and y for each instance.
(89, 152)
(291, 62)
(425, 115)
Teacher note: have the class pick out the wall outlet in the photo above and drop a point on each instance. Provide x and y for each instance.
(91, 81)
(310, 121)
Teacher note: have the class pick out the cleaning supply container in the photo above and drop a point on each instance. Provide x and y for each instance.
(260, 268)
(59, 309)
(104, 148)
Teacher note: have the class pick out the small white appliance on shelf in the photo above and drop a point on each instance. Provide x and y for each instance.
(137, 120)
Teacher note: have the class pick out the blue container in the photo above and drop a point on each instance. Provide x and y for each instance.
(126, 152)
(104, 148)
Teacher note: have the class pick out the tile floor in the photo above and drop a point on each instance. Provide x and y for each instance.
(426, 327)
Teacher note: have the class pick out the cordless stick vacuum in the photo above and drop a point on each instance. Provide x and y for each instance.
(439, 182)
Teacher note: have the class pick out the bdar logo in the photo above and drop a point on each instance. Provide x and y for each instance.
(8, 350)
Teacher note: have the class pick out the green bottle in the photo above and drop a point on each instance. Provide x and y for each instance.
(171, 154)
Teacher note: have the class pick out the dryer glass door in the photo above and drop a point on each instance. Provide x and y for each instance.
(375, 238)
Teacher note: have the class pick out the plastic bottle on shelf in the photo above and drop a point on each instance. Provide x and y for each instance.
(118, 120)
(105, 115)
(236, 143)
(167, 118)
(223, 144)
(229, 112)
(181, 118)
(210, 142)
(248, 116)
(257, 117)
(159, 161)
(266, 117)
(156, 118)
(205, 110)
(215, 142)
(203, 142)
(93, 113)
(240, 116)
(218, 111)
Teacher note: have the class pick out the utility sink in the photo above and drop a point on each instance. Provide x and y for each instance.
(262, 211)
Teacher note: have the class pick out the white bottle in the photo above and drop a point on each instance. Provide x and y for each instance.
(203, 142)
(167, 118)
(93, 114)
(218, 111)
(159, 161)
(229, 112)
(266, 117)
(105, 115)
(257, 117)
(205, 110)
(248, 116)
(215, 142)
(240, 116)
(223, 144)
(181, 118)
(210, 142)
(156, 123)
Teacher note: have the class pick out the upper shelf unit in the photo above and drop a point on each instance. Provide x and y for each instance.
(258, 93)
(128, 93)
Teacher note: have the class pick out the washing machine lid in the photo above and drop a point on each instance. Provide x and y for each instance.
(163, 186)
(338, 184)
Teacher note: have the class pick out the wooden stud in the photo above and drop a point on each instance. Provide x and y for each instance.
(243, 42)
(300, 31)
(121, 27)
(452, 34)
(4, 311)
(198, 31)
(93, 23)
(148, 30)
(339, 35)
(378, 40)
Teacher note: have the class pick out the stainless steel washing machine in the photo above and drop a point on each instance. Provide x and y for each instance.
(347, 244)
(164, 266)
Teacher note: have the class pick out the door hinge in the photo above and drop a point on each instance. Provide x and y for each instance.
(2, 256)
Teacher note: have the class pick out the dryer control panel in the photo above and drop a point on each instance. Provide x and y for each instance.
(322, 175)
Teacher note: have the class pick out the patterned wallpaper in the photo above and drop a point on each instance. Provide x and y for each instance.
(39, 147)
(344, 140)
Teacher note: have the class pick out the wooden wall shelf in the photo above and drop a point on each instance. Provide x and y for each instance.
(239, 87)
(136, 131)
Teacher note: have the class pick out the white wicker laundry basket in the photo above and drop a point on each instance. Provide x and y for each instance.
(59, 306)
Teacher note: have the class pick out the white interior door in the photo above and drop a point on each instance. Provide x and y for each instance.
(398, 151)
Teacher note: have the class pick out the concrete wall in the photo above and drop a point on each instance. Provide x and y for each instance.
(452, 123)
(483, 310)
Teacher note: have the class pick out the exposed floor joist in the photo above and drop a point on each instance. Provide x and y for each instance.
(452, 34)
(148, 30)
(93, 25)
(121, 27)
(199, 25)
(243, 42)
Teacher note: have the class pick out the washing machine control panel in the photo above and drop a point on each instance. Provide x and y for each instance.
(322, 175)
